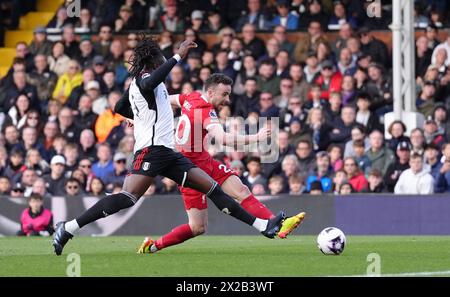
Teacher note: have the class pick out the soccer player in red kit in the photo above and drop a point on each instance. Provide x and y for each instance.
(198, 119)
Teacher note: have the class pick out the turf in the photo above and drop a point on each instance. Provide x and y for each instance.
(224, 256)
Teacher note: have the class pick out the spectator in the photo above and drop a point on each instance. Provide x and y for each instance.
(432, 134)
(40, 44)
(71, 45)
(73, 100)
(401, 164)
(417, 141)
(284, 17)
(345, 34)
(35, 161)
(39, 188)
(340, 177)
(426, 101)
(380, 156)
(373, 47)
(431, 159)
(169, 20)
(42, 78)
(340, 17)
(285, 149)
(335, 153)
(126, 21)
(329, 80)
(301, 86)
(11, 134)
(30, 140)
(246, 102)
(97, 187)
(85, 165)
(442, 183)
(86, 54)
(104, 165)
(322, 173)
(223, 66)
(348, 91)
(355, 175)
(267, 108)
(358, 133)
(55, 180)
(254, 174)
(309, 44)
(287, 91)
(319, 129)
(343, 126)
(423, 56)
(72, 187)
(282, 64)
(296, 185)
(108, 119)
(252, 44)
(60, 19)
(101, 46)
(361, 159)
(215, 22)
(440, 116)
(67, 82)
(315, 14)
(397, 130)
(275, 185)
(294, 109)
(266, 79)
(364, 116)
(85, 22)
(444, 45)
(316, 188)
(375, 180)
(71, 154)
(51, 130)
(67, 125)
(169, 187)
(415, 180)
(305, 157)
(5, 185)
(254, 16)
(225, 35)
(279, 33)
(19, 86)
(36, 220)
(176, 80)
(17, 113)
(312, 67)
(346, 189)
(120, 171)
(15, 165)
(86, 117)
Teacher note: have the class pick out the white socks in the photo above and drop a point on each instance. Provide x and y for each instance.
(72, 226)
(260, 225)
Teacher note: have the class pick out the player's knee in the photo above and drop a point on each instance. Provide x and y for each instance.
(242, 193)
(198, 229)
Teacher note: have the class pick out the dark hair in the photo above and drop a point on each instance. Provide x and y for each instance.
(72, 180)
(358, 143)
(35, 196)
(147, 54)
(254, 159)
(397, 122)
(216, 79)
(416, 156)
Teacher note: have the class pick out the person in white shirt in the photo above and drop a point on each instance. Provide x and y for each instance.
(416, 179)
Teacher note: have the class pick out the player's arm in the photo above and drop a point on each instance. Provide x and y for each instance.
(175, 101)
(123, 106)
(230, 139)
(151, 81)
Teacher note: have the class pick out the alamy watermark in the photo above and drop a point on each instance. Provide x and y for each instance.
(74, 8)
(373, 10)
(374, 268)
(74, 268)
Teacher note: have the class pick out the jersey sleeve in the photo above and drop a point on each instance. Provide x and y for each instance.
(181, 99)
(210, 118)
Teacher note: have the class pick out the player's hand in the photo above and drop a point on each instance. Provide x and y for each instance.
(129, 123)
(184, 48)
(264, 133)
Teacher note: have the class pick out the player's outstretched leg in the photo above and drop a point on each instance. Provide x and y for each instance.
(198, 219)
(234, 187)
(198, 180)
(134, 187)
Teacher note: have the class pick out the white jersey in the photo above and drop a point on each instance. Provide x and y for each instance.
(153, 116)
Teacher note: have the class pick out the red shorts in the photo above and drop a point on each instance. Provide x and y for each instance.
(218, 171)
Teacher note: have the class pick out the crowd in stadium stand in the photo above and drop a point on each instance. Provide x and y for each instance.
(60, 136)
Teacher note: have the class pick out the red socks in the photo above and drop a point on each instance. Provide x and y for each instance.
(176, 236)
(256, 208)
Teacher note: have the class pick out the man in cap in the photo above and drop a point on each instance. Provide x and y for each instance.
(120, 170)
(55, 180)
(40, 44)
(329, 80)
(401, 164)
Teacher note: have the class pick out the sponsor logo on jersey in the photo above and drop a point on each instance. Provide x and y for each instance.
(145, 75)
(187, 105)
(146, 166)
(212, 114)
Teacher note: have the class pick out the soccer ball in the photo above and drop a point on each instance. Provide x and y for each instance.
(331, 241)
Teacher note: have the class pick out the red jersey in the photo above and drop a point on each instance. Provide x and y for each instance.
(197, 115)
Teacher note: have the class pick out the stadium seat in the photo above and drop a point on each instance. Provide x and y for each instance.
(12, 37)
(48, 5)
(34, 19)
(3, 71)
(7, 55)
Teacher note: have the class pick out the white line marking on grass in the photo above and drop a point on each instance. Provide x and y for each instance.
(406, 274)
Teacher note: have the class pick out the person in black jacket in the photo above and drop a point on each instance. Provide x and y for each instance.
(376, 184)
(401, 164)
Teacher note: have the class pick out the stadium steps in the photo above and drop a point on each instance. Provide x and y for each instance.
(46, 9)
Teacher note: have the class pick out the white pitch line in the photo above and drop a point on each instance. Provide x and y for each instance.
(406, 274)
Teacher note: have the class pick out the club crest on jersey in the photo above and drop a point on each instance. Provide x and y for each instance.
(212, 114)
(187, 105)
(146, 166)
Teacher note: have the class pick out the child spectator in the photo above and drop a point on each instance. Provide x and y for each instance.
(361, 159)
(5, 185)
(375, 180)
(316, 188)
(36, 220)
(276, 185)
(346, 189)
(254, 175)
(296, 185)
(335, 153)
(355, 175)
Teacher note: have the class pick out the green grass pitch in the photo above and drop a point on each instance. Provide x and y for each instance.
(227, 256)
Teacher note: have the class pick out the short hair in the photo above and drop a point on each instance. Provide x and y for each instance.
(276, 178)
(35, 196)
(216, 79)
(254, 159)
(445, 145)
(72, 180)
(296, 178)
(358, 143)
(416, 156)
